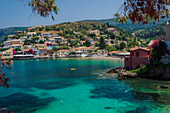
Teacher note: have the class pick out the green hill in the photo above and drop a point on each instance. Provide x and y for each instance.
(130, 27)
(12, 30)
(154, 32)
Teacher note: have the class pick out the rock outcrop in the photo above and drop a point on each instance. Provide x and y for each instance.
(115, 70)
(161, 73)
(122, 73)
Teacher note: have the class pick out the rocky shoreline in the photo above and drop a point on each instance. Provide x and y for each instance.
(162, 73)
(122, 73)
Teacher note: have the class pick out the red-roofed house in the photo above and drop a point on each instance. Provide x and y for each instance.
(138, 55)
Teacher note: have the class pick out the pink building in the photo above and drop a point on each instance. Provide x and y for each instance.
(138, 55)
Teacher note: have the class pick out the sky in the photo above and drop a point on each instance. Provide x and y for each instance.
(17, 13)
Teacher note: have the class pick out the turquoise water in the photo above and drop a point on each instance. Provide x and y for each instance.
(39, 86)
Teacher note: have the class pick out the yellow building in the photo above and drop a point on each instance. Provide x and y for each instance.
(8, 54)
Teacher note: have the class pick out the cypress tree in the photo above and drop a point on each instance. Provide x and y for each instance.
(102, 43)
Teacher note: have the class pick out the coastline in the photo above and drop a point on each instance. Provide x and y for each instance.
(115, 58)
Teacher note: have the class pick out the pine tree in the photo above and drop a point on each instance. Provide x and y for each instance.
(102, 43)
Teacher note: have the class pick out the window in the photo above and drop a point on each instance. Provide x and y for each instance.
(148, 52)
(137, 54)
(127, 59)
(132, 53)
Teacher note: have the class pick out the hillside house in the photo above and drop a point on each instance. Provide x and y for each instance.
(63, 53)
(19, 46)
(114, 30)
(55, 45)
(16, 41)
(59, 39)
(7, 44)
(8, 54)
(51, 40)
(19, 32)
(138, 55)
(97, 32)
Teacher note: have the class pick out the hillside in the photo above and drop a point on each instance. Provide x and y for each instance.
(129, 26)
(154, 32)
(12, 30)
(68, 29)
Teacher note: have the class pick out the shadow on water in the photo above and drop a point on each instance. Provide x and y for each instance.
(46, 85)
(153, 92)
(24, 103)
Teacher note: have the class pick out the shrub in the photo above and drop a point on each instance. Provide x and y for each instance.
(159, 49)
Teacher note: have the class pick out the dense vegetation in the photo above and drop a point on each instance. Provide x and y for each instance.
(154, 32)
(129, 26)
(12, 30)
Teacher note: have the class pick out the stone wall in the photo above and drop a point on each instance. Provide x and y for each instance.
(165, 59)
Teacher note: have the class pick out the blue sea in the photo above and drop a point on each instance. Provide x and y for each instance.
(80, 86)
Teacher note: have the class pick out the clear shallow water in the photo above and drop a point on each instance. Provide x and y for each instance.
(39, 86)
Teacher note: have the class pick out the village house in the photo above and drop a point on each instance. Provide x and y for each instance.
(11, 36)
(23, 38)
(41, 39)
(63, 53)
(59, 39)
(53, 44)
(8, 54)
(51, 40)
(42, 51)
(114, 53)
(97, 32)
(138, 55)
(16, 41)
(84, 49)
(114, 30)
(19, 46)
(7, 44)
(47, 34)
(19, 32)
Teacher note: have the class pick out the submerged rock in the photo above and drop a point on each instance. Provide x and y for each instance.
(115, 70)
(5, 110)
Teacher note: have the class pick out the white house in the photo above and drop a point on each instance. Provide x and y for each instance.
(167, 37)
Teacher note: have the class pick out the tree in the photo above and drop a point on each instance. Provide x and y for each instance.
(41, 42)
(48, 28)
(44, 7)
(143, 11)
(122, 45)
(102, 43)
(3, 79)
(87, 43)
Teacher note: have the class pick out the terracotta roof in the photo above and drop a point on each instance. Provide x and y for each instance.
(111, 29)
(63, 50)
(41, 38)
(115, 52)
(54, 43)
(25, 50)
(87, 48)
(16, 45)
(42, 48)
(51, 39)
(15, 40)
(136, 48)
(11, 36)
